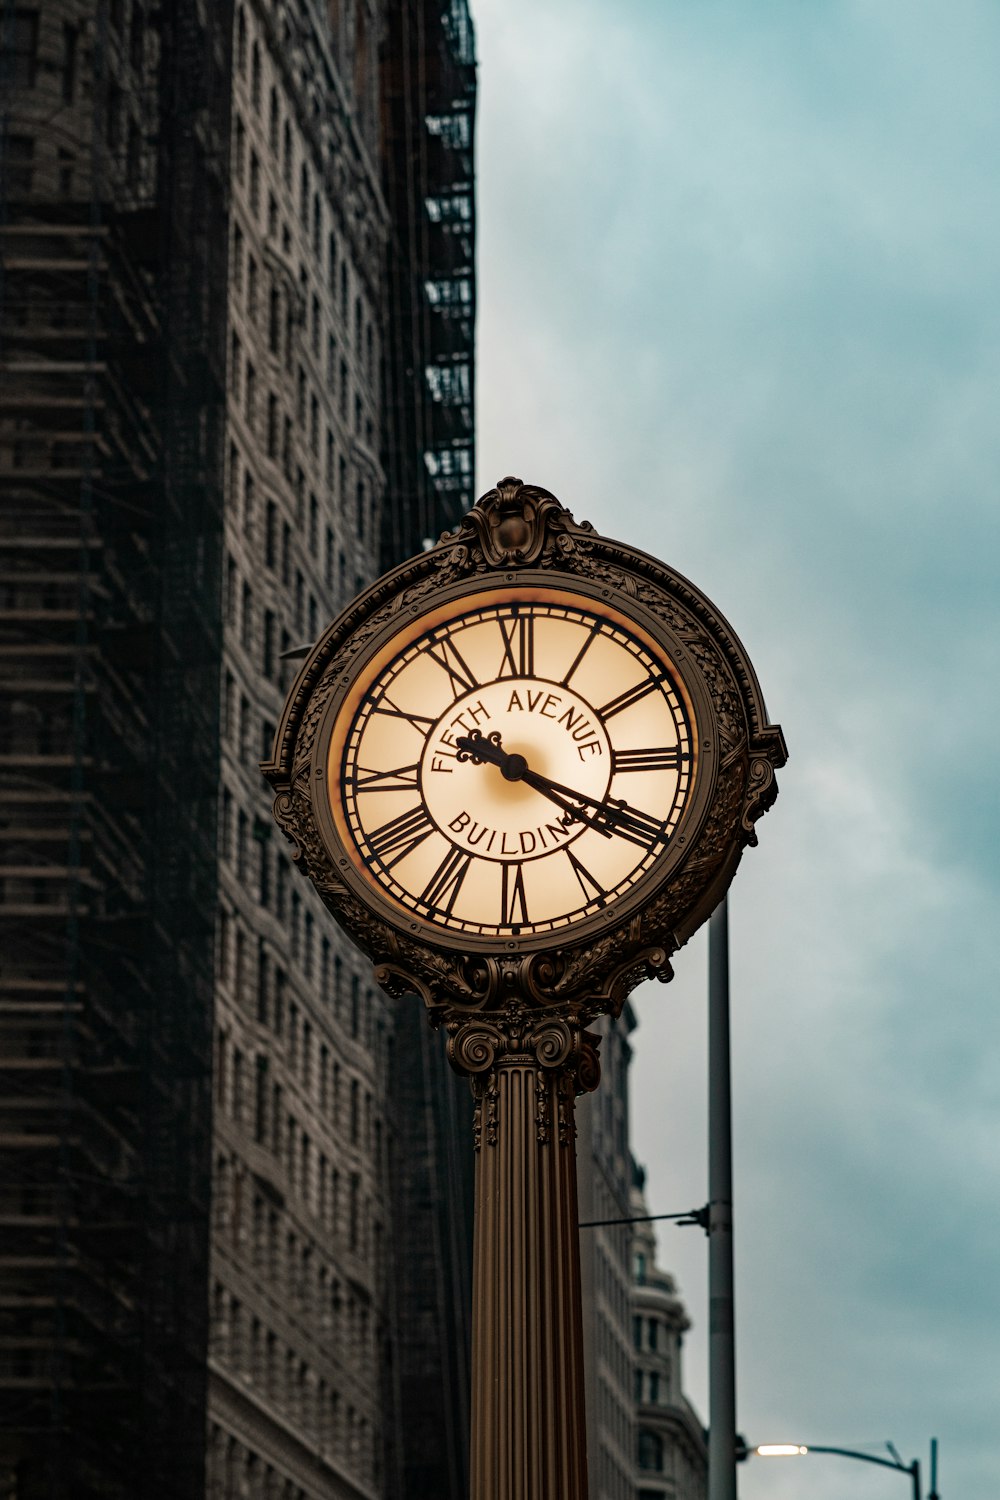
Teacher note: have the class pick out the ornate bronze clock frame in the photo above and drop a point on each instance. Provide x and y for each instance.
(521, 770)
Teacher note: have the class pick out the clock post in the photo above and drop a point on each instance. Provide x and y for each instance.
(526, 1066)
(521, 770)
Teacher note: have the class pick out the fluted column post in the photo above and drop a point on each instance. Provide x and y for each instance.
(528, 1432)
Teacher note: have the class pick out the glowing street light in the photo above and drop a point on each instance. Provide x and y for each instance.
(795, 1450)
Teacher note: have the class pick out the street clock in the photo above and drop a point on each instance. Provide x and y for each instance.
(528, 744)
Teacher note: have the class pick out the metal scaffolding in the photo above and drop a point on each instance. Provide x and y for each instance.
(429, 101)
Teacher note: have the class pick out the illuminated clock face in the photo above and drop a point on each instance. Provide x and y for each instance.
(513, 769)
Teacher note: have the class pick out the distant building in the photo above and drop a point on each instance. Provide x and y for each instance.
(671, 1454)
(604, 1169)
(229, 298)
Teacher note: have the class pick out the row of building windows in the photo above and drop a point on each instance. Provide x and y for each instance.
(650, 1333)
(652, 1387)
(354, 1226)
(236, 1472)
(343, 1104)
(265, 993)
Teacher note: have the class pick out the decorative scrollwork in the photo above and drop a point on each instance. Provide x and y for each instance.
(473, 1048)
(552, 1043)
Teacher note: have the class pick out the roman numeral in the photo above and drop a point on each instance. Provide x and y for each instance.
(448, 656)
(402, 779)
(401, 835)
(636, 827)
(513, 906)
(631, 695)
(444, 885)
(518, 636)
(385, 705)
(578, 658)
(590, 887)
(663, 759)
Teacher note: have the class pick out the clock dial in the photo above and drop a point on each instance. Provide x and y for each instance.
(515, 768)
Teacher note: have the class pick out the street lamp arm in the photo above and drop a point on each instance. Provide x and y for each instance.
(913, 1469)
(865, 1458)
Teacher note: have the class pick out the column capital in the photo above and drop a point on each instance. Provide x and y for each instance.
(550, 1042)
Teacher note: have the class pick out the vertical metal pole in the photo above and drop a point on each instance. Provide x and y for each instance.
(915, 1471)
(721, 1339)
(934, 1489)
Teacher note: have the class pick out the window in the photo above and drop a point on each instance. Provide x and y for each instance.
(270, 534)
(254, 183)
(268, 655)
(70, 37)
(287, 162)
(250, 401)
(240, 150)
(251, 288)
(234, 366)
(274, 320)
(272, 120)
(272, 426)
(237, 261)
(249, 503)
(255, 79)
(246, 617)
(241, 42)
(20, 158)
(241, 846)
(228, 702)
(23, 64)
(653, 1330)
(650, 1451)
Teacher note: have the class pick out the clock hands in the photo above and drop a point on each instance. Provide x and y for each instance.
(613, 817)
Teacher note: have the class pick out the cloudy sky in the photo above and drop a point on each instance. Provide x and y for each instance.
(740, 304)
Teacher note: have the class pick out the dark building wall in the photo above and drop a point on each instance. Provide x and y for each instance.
(109, 429)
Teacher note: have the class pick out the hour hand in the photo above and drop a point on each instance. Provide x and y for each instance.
(487, 750)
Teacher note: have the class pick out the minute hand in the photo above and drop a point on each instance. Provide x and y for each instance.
(638, 827)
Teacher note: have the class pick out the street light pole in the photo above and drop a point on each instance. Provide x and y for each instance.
(721, 1334)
